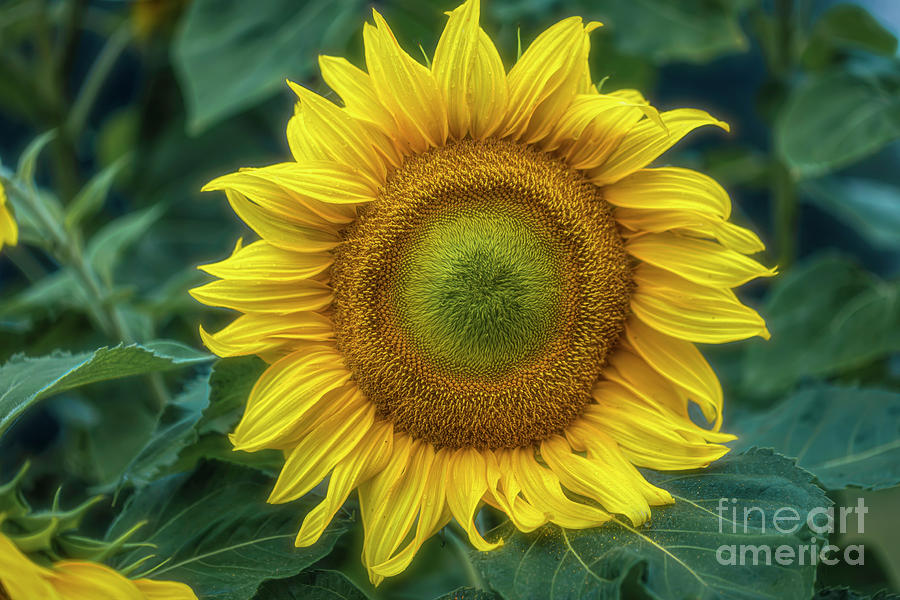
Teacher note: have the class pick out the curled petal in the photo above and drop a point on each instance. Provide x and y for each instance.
(646, 141)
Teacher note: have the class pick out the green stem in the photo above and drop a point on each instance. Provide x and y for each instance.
(463, 551)
(784, 188)
(93, 83)
(784, 214)
(67, 41)
(785, 19)
(22, 258)
(66, 250)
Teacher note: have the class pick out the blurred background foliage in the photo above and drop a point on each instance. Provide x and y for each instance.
(113, 114)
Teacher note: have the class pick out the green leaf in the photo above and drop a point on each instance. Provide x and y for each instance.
(844, 436)
(832, 120)
(106, 246)
(174, 432)
(214, 531)
(691, 30)
(92, 196)
(230, 55)
(55, 291)
(28, 160)
(842, 593)
(215, 446)
(468, 593)
(827, 316)
(230, 385)
(677, 554)
(871, 207)
(311, 585)
(24, 381)
(101, 434)
(846, 27)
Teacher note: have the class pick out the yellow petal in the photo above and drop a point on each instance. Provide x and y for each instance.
(325, 444)
(692, 312)
(630, 95)
(255, 333)
(542, 489)
(261, 260)
(646, 141)
(490, 92)
(341, 137)
(280, 297)
(305, 147)
(506, 495)
(76, 580)
(368, 458)
(468, 477)
(619, 400)
(701, 261)
(21, 578)
(164, 590)
(405, 87)
(593, 125)
(325, 181)
(388, 501)
(433, 515)
(650, 438)
(285, 392)
(690, 223)
(546, 78)
(355, 88)
(452, 64)
(281, 232)
(470, 74)
(9, 231)
(603, 450)
(631, 371)
(277, 203)
(670, 188)
(681, 363)
(316, 193)
(612, 488)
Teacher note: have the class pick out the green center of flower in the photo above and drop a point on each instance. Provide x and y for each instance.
(479, 291)
(478, 296)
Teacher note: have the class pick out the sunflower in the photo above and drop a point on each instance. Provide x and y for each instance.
(22, 579)
(9, 232)
(469, 288)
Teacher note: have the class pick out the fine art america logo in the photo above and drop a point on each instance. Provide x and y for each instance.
(761, 523)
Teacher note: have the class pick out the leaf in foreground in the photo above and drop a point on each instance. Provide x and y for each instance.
(845, 436)
(677, 554)
(174, 432)
(311, 585)
(24, 381)
(843, 593)
(469, 593)
(214, 531)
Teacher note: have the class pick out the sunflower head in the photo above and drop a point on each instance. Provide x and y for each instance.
(470, 288)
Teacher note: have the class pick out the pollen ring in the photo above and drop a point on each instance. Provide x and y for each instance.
(478, 296)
